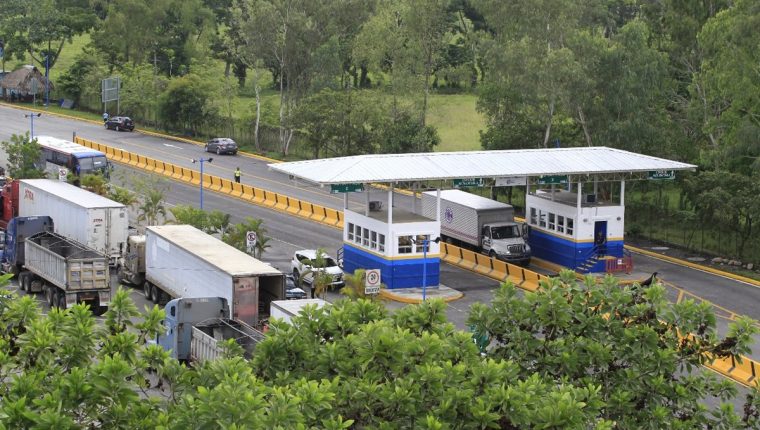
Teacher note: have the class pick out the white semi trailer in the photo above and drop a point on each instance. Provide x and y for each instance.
(85, 217)
(184, 262)
(483, 224)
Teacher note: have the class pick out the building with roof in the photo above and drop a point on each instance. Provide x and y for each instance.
(24, 83)
(574, 202)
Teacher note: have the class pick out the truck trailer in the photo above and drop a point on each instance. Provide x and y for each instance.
(85, 217)
(195, 329)
(479, 223)
(287, 309)
(184, 262)
(67, 272)
(17, 230)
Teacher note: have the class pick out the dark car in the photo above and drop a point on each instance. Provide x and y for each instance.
(292, 291)
(119, 123)
(222, 145)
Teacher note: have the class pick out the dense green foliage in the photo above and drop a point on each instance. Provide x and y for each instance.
(574, 355)
(23, 157)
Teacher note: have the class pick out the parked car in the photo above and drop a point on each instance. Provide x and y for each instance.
(303, 265)
(119, 123)
(222, 145)
(292, 292)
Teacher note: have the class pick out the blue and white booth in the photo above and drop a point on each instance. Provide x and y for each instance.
(393, 241)
(577, 226)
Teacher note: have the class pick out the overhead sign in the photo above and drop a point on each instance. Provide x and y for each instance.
(346, 188)
(372, 281)
(469, 182)
(511, 181)
(552, 179)
(659, 175)
(250, 240)
(109, 89)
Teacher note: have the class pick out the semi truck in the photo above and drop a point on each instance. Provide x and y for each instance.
(287, 309)
(195, 329)
(17, 230)
(85, 217)
(66, 271)
(478, 223)
(8, 203)
(184, 262)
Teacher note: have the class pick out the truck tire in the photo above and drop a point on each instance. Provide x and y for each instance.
(62, 301)
(146, 290)
(26, 283)
(154, 294)
(492, 254)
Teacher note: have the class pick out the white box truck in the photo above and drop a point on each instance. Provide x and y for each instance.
(287, 309)
(184, 262)
(483, 224)
(90, 219)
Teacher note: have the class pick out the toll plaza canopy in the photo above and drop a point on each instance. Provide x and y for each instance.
(431, 166)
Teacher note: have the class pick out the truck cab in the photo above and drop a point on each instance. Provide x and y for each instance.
(181, 315)
(132, 261)
(506, 241)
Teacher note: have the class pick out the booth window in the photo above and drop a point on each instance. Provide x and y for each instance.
(551, 222)
(570, 226)
(405, 244)
(358, 235)
(381, 243)
(365, 237)
(541, 218)
(560, 223)
(422, 240)
(350, 231)
(533, 217)
(373, 240)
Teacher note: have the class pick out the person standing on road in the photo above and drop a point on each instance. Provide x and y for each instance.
(237, 175)
(105, 116)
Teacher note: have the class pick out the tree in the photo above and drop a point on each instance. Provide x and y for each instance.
(320, 279)
(94, 182)
(354, 288)
(236, 236)
(122, 195)
(152, 207)
(23, 157)
(626, 343)
(190, 215)
(185, 103)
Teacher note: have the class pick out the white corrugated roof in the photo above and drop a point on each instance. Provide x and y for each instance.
(83, 198)
(214, 251)
(475, 164)
(469, 199)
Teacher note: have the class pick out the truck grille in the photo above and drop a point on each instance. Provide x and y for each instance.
(516, 249)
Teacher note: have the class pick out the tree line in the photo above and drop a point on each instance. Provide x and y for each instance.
(573, 355)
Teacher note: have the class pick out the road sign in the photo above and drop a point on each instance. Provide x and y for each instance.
(469, 182)
(63, 174)
(552, 179)
(109, 89)
(346, 188)
(659, 175)
(372, 281)
(250, 240)
(511, 181)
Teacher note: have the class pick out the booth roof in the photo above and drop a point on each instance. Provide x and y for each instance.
(388, 168)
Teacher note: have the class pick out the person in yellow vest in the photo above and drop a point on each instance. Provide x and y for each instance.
(237, 175)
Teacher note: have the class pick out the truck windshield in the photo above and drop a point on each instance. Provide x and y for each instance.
(505, 232)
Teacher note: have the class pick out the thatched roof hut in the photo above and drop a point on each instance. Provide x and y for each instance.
(20, 81)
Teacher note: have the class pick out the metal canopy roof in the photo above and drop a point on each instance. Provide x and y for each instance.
(474, 164)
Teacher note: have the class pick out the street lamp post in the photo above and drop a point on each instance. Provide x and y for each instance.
(32, 115)
(425, 244)
(202, 160)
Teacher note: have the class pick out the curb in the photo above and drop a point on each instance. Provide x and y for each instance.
(678, 261)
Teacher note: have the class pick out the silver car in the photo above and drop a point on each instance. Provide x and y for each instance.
(222, 145)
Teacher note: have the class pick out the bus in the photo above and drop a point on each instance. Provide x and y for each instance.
(79, 160)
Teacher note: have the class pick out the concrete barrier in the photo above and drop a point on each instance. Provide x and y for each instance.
(294, 206)
(247, 192)
(319, 214)
(331, 217)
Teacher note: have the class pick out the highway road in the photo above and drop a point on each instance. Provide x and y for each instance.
(291, 233)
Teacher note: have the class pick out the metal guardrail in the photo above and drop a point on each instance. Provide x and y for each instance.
(739, 369)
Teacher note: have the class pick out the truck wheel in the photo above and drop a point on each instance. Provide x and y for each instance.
(146, 290)
(62, 301)
(492, 254)
(154, 294)
(27, 283)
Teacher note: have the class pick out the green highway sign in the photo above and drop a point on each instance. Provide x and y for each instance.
(346, 188)
(469, 182)
(658, 175)
(552, 179)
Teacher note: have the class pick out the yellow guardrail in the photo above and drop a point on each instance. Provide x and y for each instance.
(740, 369)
